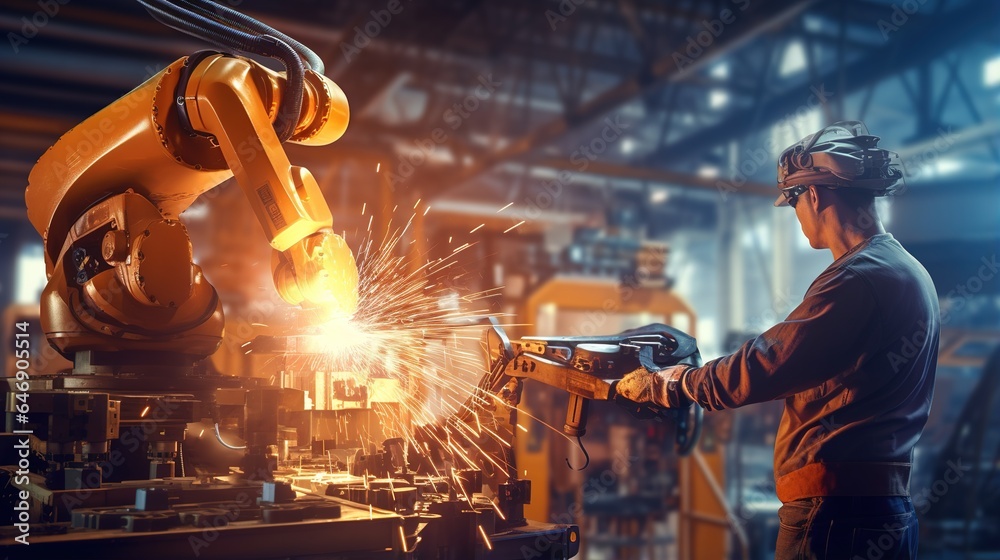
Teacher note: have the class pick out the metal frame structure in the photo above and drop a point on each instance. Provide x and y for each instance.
(556, 75)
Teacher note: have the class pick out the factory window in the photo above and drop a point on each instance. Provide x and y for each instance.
(720, 70)
(708, 171)
(30, 274)
(991, 72)
(794, 58)
(718, 98)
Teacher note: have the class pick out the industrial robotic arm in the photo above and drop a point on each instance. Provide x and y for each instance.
(107, 196)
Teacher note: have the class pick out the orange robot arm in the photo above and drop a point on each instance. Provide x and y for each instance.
(313, 265)
(106, 198)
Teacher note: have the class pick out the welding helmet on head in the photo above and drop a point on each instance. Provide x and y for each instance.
(842, 155)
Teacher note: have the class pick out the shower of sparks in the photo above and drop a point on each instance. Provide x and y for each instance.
(486, 539)
(378, 166)
(513, 226)
(414, 330)
(509, 204)
(421, 340)
(477, 228)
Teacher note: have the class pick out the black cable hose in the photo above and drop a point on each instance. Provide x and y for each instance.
(228, 38)
(249, 24)
(187, 27)
(205, 28)
(252, 26)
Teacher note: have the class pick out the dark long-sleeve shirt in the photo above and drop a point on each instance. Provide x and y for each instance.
(855, 364)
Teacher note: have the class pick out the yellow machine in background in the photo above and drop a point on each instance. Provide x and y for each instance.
(592, 305)
(107, 196)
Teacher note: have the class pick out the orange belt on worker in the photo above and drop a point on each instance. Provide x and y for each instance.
(845, 479)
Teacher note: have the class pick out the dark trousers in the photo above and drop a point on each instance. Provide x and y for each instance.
(850, 528)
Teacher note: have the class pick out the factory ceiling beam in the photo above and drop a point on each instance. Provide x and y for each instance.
(907, 47)
(767, 17)
(653, 175)
(971, 135)
(137, 40)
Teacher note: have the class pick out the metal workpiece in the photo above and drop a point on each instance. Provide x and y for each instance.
(184, 518)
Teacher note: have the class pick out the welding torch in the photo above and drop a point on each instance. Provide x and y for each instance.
(589, 367)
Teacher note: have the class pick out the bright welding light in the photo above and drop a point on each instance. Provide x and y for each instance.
(409, 326)
(342, 336)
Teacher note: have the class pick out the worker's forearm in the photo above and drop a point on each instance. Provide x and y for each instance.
(742, 378)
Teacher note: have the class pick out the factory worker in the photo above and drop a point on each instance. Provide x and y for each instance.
(854, 362)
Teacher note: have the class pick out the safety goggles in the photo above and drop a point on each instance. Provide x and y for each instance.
(792, 193)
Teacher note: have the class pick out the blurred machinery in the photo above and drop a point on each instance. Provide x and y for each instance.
(960, 478)
(106, 458)
(637, 498)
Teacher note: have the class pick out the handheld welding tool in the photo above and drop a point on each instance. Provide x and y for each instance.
(589, 367)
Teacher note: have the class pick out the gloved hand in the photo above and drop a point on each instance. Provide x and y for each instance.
(661, 387)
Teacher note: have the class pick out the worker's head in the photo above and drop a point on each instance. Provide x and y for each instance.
(832, 177)
(823, 211)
